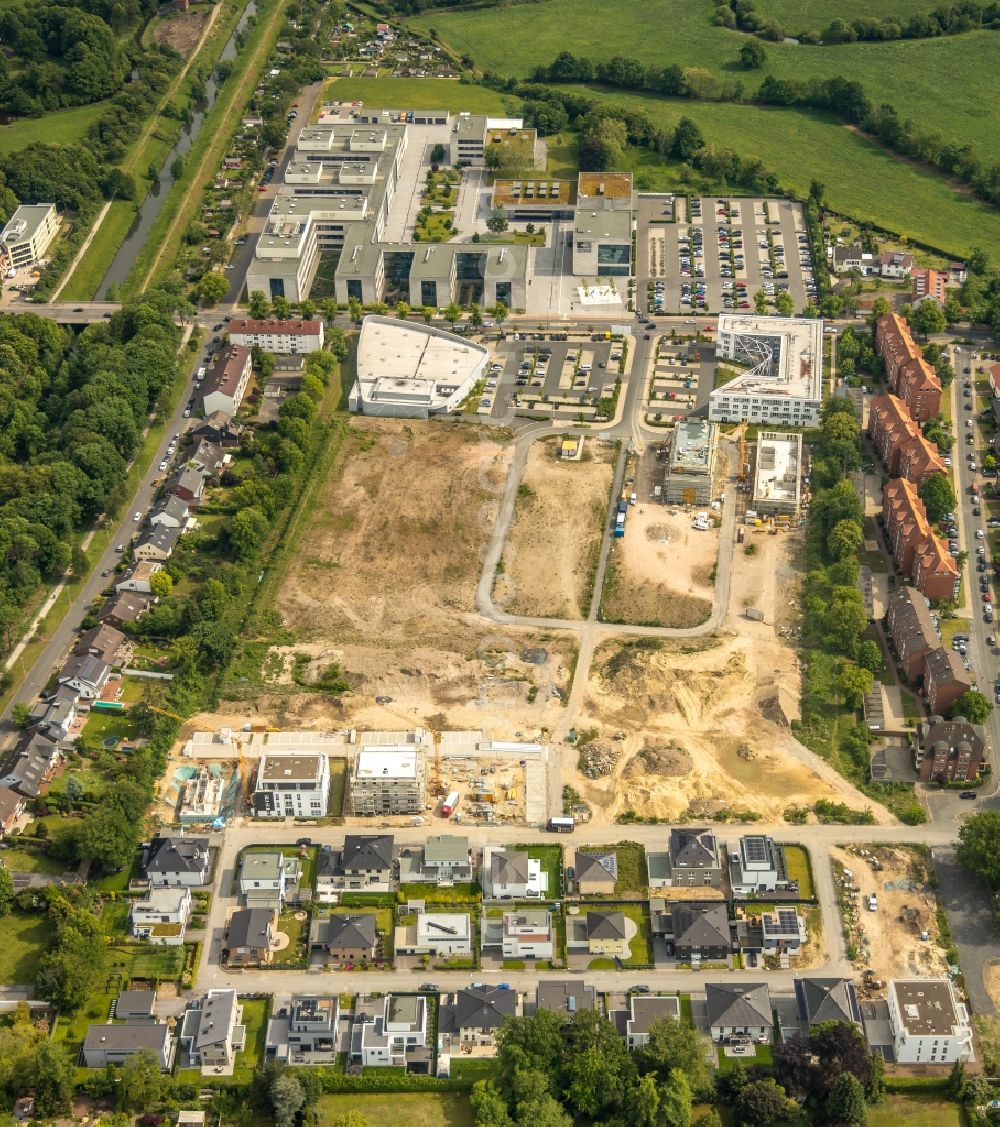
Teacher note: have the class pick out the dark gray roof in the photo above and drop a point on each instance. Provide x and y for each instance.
(355, 932)
(738, 1004)
(187, 477)
(103, 641)
(509, 867)
(477, 1008)
(173, 506)
(826, 999)
(135, 1002)
(700, 924)
(367, 852)
(9, 802)
(249, 927)
(606, 925)
(176, 854)
(596, 866)
(565, 996)
(130, 1037)
(162, 537)
(216, 1017)
(693, 848)
(125, 606)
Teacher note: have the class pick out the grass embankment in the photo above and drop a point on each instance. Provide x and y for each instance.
(418, 93)
(151, 148)
(157, 256)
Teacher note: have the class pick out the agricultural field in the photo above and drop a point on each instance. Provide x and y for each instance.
(418, 93)
(862, 179)
(560, 513)
(817, 15)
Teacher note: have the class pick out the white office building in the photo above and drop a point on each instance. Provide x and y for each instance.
(29, 233)
(780, 381)
(292, 786)
(413, 371)
(286, 259)
(777, 481)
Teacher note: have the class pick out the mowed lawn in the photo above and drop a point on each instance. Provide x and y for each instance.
(25, 940)
(62, 127)
(955, 94)
(862, 180)
(817, 15)
(424, 1109)
(914, 1111)
(418, 94)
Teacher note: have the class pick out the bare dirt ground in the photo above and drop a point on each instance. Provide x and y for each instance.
(695, 743)
(383, 584)
(551, 551)
(888, 939)
(661, 573)
(181, 31)
(991, 977)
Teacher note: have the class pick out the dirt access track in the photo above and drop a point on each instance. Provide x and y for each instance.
(383, 583)
(551, 550)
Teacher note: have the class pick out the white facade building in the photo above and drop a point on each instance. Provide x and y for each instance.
(283, 338)
(292, 786)
(162, 916)
(929, 1024)
(781, 382)
(413, 371)
(388, 780)
(29, 233)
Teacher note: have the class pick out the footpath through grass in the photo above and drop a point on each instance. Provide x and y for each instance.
(157, 256)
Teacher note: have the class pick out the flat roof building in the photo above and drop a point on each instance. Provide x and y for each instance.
(281, 337)
(602, 239)
(29, 233)
(688, 479)
(782, 377)
(286, 258)
(292, 786)
(413, 371)
(388, 781)
(777, 482)
(929, 1024)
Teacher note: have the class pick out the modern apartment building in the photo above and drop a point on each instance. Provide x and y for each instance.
(292, 786)
(29, 233)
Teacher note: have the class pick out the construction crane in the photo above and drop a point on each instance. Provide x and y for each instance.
(164, 712)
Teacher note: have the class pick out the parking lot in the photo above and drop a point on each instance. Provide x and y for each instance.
(720, 255)
(543, 375)
(681, 379)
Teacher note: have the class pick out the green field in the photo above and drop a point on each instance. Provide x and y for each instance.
(418, 94)
(424, 1109)
(915, 1111)
(25, 939)
(817, 15)
(31, 861)
(862, 180)
(64, 127)
(954, 94)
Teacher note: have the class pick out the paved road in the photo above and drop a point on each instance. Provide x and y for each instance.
(967, 902)
(34, 679)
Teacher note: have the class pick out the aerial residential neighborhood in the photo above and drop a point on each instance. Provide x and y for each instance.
(501, 522)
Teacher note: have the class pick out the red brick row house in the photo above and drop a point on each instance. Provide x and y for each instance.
(909, 375)
(917, 551)
(899, 442)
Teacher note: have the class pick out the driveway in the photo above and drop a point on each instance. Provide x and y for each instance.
(967, 903)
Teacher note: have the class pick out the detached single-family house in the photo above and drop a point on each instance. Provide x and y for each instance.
(212, 1032)
(442, 934)
(207, 457)
(391, 1032)
(249, 937)
(55, 717)
(699, 931)
(595, 873)
(757, 865)
(692, 861)
(123, 607)
(115, 1044)
(173, 862)
(608, 934)
(86, 675)
(135, 1005)
(162, 916)
(527, 934)
(219, 428)
(473, 1016)
(35, 764)
(846, 259)
(11, 808)
(188, 484)
(346, 938)
(739, 1011)
(305, 1033)
(510, 874)
(565, 996)
(157, 543)
(138, 576)
(445, 859)
(106, 644)
(826, 999)
(172, 513)
(363, 865)
(265, 877)
(641, 1012)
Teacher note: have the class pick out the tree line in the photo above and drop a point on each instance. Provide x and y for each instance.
(846, 98)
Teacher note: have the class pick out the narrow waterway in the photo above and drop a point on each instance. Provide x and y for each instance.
(145, 217)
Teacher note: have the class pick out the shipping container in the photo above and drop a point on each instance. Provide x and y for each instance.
(561, 825)
(450, 804)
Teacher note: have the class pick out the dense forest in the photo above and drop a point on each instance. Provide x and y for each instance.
(71, 416)
(65, 52)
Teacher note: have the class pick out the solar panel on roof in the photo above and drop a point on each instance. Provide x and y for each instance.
(755, 848)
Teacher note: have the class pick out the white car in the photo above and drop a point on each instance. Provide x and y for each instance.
(163, 465)
(137, 517)
(980, 535)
